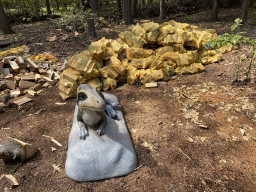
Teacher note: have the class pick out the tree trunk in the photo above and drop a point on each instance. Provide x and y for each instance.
(150, 2)
(215, 10)
(4, 25)
(244, 10)
(91, 28)
(82, 4)
(127, 16)
(162, 15)
(134, 7)
(48, 7)
(57, 5)
(143, 3)
(94, 6)
(37, 9)
(119, 4)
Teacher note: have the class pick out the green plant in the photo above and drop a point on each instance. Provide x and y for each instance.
(73, 22)
(235, 39)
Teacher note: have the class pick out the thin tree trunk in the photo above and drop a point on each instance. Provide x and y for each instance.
(134, 7)
(143, 3)
(48, 7)
(37, 9)
(150, 2)
(4, 25)
(162, 15)
(119, 4)
(215, 10)
(57, 5)
(82, 4)
(91, 28)
(127, 16)
(244, 10)
(94, 6)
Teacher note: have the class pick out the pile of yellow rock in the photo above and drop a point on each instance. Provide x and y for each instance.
(175, 48)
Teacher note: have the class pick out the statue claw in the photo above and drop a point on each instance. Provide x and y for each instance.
(83, 131)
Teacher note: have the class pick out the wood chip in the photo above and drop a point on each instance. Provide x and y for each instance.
(52, 39)
(45, 85)
(53, 140)
(53, 149)
(37, 77)
(33, 93)
(60, 103)
(10, 179)
(56, 168)
(15, 93)
(151, 85)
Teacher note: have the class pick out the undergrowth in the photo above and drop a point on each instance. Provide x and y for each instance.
(236, 39)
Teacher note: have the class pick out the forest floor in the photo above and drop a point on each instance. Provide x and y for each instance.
(174, 153)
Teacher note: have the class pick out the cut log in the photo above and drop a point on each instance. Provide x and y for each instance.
(6, 72)
(36, 87)
(10, 84)
(26, 84)
(22, 100)
(1, 71)
(8, 58)
(42, 71)
(6, 43)
(32, 64)
(30, 77)
(14, 65)
(20, 60)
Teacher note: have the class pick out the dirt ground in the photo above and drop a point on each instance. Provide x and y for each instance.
(192, 133)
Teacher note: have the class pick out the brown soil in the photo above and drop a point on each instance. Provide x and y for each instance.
(175, 150)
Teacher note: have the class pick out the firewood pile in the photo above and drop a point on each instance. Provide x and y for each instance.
(22, 78)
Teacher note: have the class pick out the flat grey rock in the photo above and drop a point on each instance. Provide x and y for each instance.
(100, 157)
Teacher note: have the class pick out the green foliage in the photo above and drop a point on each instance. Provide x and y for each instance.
(234, 39)
(238, 22)
(228, 39)
(73, 21)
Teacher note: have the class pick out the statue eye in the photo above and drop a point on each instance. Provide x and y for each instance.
(82, 96)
